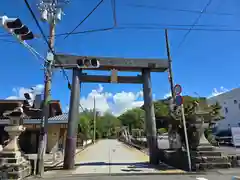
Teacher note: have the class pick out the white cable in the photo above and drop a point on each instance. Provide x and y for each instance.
(34, 51)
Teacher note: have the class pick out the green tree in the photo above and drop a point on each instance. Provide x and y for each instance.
(107, 125)
(84, 124)
(133, 119)
(161, 109)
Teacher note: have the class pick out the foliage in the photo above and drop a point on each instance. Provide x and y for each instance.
(161, 108)
(106, 125)
(210, 137)
(85, 123)
(166, 117)
(162, 131)
(133, 119)
(192, 107)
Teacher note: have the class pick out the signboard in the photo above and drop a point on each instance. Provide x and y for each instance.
(177, 89)
(179, 100)
(114, 76)
(236, 135)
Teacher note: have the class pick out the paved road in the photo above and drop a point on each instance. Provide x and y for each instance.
(114, 157)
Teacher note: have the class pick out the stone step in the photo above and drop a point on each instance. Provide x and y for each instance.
(205, 166)
(209, 159)
(209, 153)
(206, 148)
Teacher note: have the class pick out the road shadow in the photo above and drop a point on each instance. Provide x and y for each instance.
(132, 165)
(128, 167)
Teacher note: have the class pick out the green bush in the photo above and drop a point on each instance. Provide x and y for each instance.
(162, 130)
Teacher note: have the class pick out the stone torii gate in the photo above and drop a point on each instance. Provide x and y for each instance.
(143, 66)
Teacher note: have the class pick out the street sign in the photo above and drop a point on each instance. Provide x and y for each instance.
(177, 89)
(179, 100)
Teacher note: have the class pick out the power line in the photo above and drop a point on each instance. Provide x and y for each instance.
(36, 54)
(89, 14)
(195, 22)
(45, 38)
(5, 35)
(113, 2)
(9, 41)
(63, 71)
(151, 28)
(178, 10)
(178, 25)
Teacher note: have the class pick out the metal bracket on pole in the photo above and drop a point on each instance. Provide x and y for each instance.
(50, 57)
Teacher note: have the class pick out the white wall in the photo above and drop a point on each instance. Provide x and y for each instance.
(230, 103)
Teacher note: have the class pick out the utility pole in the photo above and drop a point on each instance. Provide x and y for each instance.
(94, 119)
(50, 12)
(46, 108)
(170, 76)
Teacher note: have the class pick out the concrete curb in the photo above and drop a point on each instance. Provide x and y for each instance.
(114, 174)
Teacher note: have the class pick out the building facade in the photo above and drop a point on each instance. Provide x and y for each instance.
(28, 140)
(230, 103)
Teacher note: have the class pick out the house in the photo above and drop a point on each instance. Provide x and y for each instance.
(28, 140)
(230, 103)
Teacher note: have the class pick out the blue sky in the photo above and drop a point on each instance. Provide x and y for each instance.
(206, 60)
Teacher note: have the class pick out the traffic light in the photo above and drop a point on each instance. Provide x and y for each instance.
(88, 63)
(15, 26)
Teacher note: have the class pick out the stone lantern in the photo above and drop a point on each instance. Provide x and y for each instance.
(13, 164)
(202, 124)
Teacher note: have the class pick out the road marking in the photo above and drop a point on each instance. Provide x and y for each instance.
(201, 178)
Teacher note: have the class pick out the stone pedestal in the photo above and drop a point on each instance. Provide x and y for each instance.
(203, 143)
(13, 164)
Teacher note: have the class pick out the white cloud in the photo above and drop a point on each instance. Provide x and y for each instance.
(126, 100)
(216, 92)
(19, 92)
(116, 103)
(167, 95)
(105, 101)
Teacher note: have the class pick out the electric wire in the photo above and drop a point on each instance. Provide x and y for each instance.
(195, 22)
(36, 21)
(34, 51)
(177, 25)
(150, 28)
(113, 2)
(8, 41)
(46, 40)
(35, 54)
(5, 35)
(89, 14)
(177, 9)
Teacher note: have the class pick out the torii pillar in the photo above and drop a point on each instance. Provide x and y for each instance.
(150, 120)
